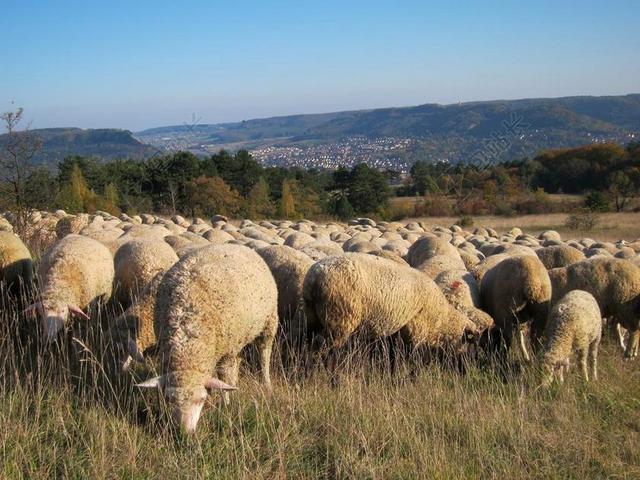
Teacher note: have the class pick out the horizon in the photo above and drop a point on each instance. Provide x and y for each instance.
(156, 64)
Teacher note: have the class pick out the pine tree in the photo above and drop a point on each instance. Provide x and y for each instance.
(258, 203)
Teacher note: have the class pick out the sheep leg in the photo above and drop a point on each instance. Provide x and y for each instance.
(593, 359)
(581, 355)
(632, 344)
(522, 345)
(620, 331)
(265, 345)
(228, 370)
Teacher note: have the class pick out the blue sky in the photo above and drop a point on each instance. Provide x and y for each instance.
(142, 64)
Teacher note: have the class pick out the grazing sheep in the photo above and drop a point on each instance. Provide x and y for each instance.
(515, 291)
(136, 263)
(210, 305)
(71, 225)
(75, 274)
(461, 290)
(557, 256)
(377, 297)
(289, 267)
(574, 325)
(440, 263)
(16, 266)
(132, 332)
(614, 283)
(428, 247)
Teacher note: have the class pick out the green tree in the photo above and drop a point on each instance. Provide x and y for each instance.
(75, 195)
(258, 202)
(39, 189)
(368, 189)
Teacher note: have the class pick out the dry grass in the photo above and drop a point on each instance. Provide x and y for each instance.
(63, 419)
(610, 226)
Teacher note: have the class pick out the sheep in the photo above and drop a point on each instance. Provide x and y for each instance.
(440, 263)
(463, 293)
(428, 247)
(75, 274)
(71, 225)
(16, 266)
(614, 283)
(210, 305)
(132, 331)
(574, 325)
(289, 267)
(136, 262)
(378, 298)
(559, 256)
(517, 290)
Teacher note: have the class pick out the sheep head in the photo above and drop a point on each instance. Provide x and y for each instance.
(186, 399)
(53, 318)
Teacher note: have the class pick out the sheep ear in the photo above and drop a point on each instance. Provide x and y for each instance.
(215, 384)
(74, 310)
(471, 335)
(31, 310)
(132, 348)
(152, 382)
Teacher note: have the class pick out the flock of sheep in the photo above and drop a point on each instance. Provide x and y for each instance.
(194, 294)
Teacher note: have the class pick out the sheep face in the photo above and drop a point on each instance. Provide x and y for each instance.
(186, 396)
(186, 405)
(53, 320)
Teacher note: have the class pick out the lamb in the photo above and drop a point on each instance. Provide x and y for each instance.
(614, 283)
(75, 274)
(16, 266)
(378, 297)
(574, 325)
(289, 267)
(517, 290)
(210, 305)
(136, 262)
(132, 332)
(559, 256)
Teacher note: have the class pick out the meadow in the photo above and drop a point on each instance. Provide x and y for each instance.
(63, 414)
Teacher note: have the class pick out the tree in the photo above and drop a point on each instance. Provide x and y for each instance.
(110, 200)
(75, 195)
(211, 195)
(368, 190)
(39, 189)
(16, 162)
(622, 186)
(287, 204)
(258, 203)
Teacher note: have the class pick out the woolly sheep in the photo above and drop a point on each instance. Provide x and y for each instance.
(210, 305)
(440, 263)
(614, 283)
(16, 266)
(428, 247)
(360, 292)
(517, 290)
(559, 256)
(136, 263)
(574, 325)
(132, 331)
(75, 274)
(289, 267)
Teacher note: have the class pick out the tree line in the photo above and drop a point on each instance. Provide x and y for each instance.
(235, 184)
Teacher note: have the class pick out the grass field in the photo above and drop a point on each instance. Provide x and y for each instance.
(66, 418)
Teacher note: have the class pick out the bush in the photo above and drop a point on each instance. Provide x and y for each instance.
(596, 202)
(584, 220)
(434, 206)
(465, 221)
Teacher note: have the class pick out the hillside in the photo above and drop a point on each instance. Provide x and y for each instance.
(507, 129)
(106, 143)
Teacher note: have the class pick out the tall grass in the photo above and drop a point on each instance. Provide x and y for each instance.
(64, 415)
